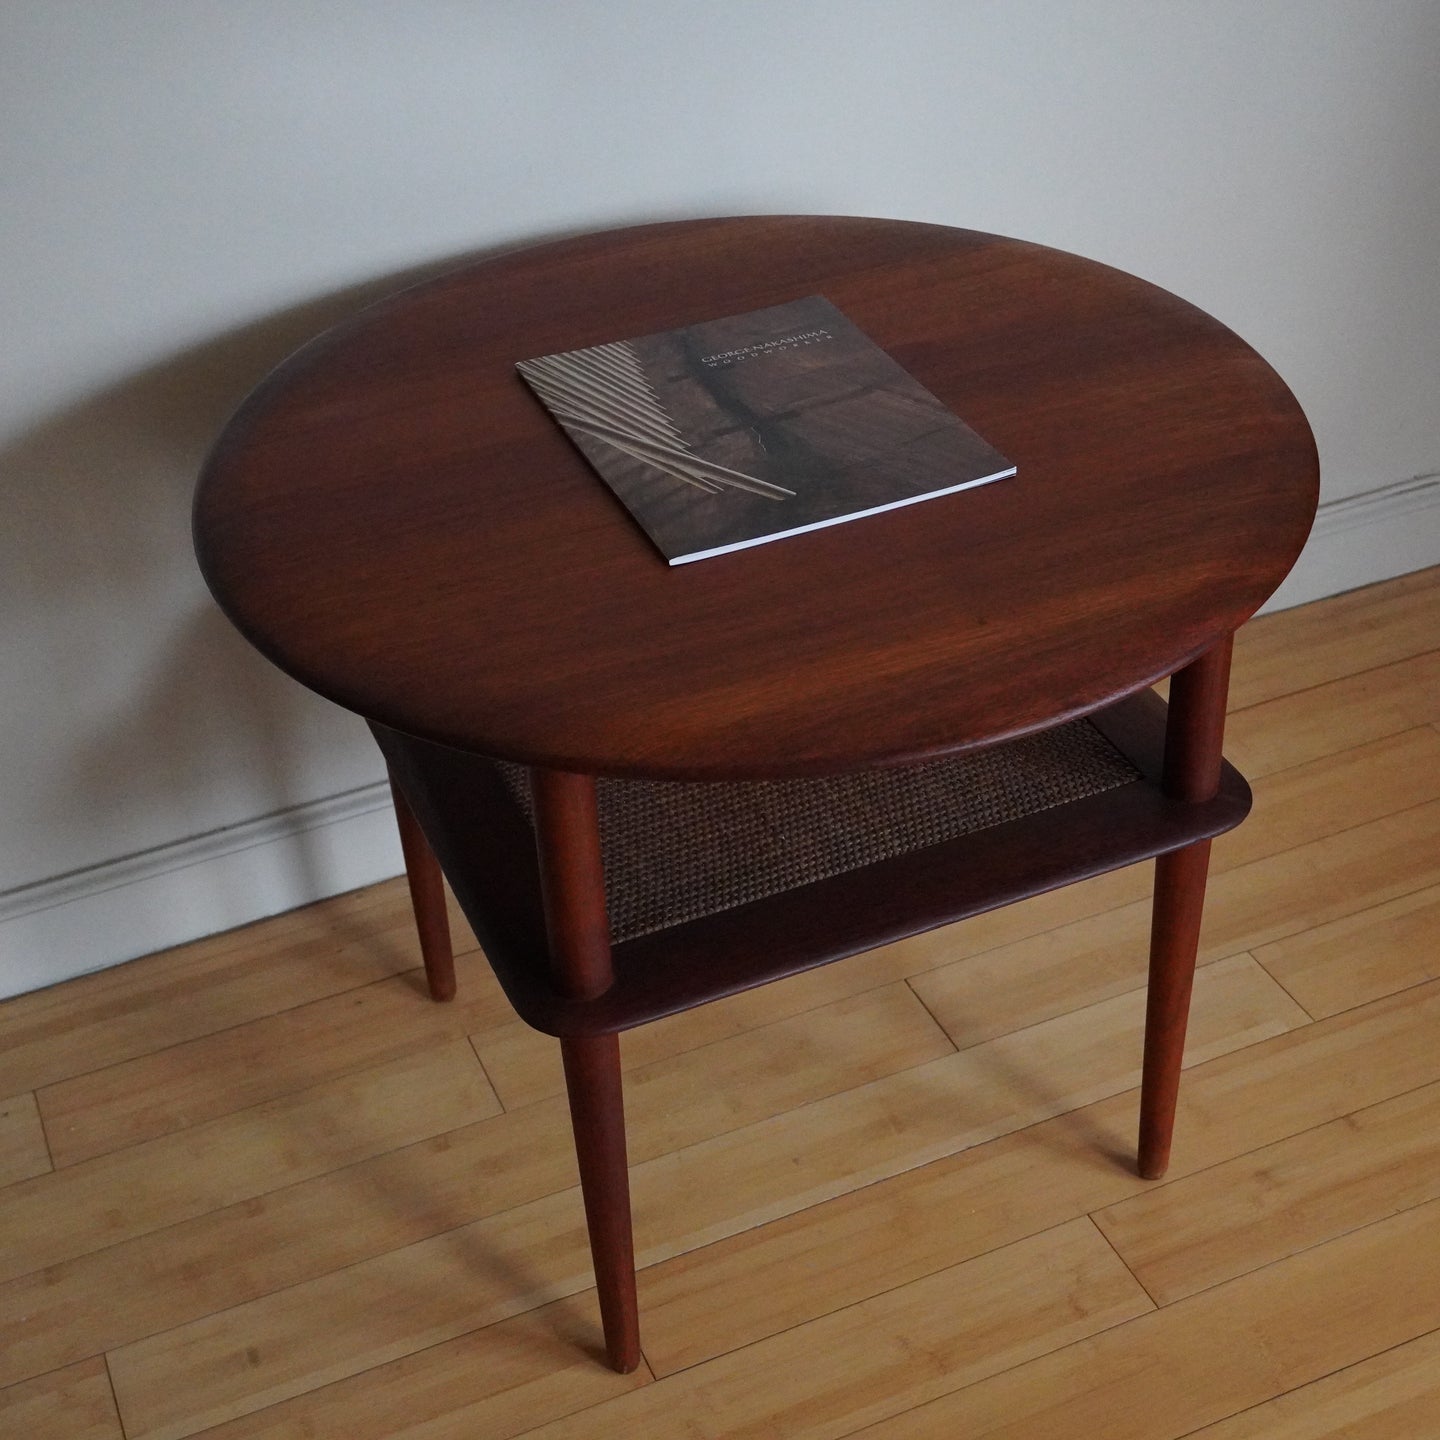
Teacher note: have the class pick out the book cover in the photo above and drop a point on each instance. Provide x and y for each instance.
(751, 428)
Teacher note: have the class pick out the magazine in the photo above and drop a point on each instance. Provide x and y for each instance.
(739, 431)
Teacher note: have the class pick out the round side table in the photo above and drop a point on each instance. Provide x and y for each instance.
(621, 766)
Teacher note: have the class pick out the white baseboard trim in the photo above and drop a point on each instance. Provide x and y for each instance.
(202, 884)
(94, 918)
(1362, 539)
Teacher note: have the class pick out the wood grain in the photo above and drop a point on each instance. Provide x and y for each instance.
(1167, 479)
(1287, 654)
(23, 1151)
(1358, 957)
(398, 1303)
(1281, 1199)
(1334, 793)
(310, 1229)
(821, 1380)
(1324, 880)
(67, 1213)
(1325, 719)
(225, 980)
(306, 1232)
(70, 1404)
(1331, 866)
(1242, 1342)
(705, 1302)
(1391, 1396)
(289, 1237)
(488, 1385)
(313, 1333)
(188, 1083)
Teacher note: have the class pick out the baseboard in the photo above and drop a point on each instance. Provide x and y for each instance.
(94, 918)
(1366, 538)
(202, 884)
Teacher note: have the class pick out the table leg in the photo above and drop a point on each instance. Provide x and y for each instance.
(1174, 940)
(597, 1112)
(1193, 737)
(427, 898)
(572, 881)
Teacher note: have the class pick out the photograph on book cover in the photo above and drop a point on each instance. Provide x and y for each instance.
(754, 427)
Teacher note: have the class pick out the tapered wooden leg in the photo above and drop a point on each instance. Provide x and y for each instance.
(577, 928)
(1174, 940)
(1193, 735)
(592, 1076)
(427, 898)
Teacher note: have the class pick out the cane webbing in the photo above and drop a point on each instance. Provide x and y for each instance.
(676, 852)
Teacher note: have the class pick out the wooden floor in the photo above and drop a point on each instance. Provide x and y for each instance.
(260, 1186)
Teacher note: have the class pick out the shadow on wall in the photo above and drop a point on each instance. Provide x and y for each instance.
(139, 717)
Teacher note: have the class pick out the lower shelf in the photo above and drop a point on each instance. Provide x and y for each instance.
(676, 852)
(914, 849)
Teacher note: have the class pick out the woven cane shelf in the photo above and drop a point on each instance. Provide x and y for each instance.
(821, 868)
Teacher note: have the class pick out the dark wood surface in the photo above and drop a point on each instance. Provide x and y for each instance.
(394, 519)
(427, 898)
(1193, 771)
(597, 1118)
(572, 882)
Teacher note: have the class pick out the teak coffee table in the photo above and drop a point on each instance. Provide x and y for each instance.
(809, 748)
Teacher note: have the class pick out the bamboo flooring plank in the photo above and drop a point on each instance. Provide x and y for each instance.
(1231, 977)
(1296, 728)
(851, 1042)
(524, 1065)
(228, 1257)
(286, 1343)
(886, 1354)
(1306, 1077)
(968, 1322)
(1203, 1359)
(208, 985)
(23, 1152)
(1037, 979)
(70, 1404)
(1065, 1062)
(1344, 635)
(1314, 884)
(707, 1301)
(1044, 976)
(1259, 888)
(1360, 957)
(1274, 1202)
(300, 1235)
(294, 1341)
(68, 1213)
(488, 1385)
(1028, 917)
(1392, 1396)
(263, 1059)
(1323, 797)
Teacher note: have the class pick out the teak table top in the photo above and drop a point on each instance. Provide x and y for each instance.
(395, 520)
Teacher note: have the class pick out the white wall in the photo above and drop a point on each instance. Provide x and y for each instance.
(191, 187)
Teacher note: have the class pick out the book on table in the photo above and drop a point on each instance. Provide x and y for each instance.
(754, 427)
